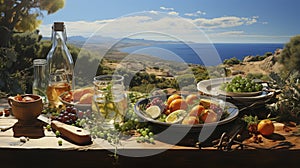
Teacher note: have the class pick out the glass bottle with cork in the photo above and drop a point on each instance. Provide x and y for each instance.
(60, 65)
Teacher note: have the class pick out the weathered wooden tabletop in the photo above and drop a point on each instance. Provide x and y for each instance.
(46, 149)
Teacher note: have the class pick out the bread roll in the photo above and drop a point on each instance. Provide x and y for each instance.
(86, 99)
(78, 93)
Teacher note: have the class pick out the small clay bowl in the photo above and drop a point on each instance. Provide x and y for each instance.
(26, 111)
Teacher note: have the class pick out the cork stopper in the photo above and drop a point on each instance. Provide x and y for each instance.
(58, 26)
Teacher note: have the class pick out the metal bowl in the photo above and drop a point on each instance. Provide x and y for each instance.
(232, 110)
(211, 88)
(188, 135)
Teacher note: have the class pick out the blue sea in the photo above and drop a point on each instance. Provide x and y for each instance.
(204, 54)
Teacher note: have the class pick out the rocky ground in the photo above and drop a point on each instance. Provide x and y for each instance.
(266, 66)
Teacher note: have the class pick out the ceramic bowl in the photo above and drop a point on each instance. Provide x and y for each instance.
(26, 111)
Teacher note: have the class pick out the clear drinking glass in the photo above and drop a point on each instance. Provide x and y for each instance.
(110, 99)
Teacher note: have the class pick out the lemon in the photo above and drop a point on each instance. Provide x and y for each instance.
(176, 116)
(153, 111)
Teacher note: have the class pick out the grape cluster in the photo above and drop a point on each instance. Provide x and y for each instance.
(68, 116)
(216, 109)
(158, 102)
(240, 84)
(162, 118)
(146, 135)
(72, 116)
(111, 135)
(220, 112)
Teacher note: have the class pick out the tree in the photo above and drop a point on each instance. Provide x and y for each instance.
(16, 71)
(290, 55)
(23, 15)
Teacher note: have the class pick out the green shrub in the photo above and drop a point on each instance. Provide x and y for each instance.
(290, 55)
(258, 76)
(231, 61)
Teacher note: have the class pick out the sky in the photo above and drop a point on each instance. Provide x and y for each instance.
(220, 21)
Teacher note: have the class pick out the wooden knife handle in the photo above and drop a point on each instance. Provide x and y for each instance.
(72, 133)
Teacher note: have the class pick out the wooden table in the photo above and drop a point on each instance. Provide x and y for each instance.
(45, 152)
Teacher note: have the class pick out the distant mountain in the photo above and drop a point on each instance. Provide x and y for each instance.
(129, 40)
(46, 38)
(77, 39)
(80, 40)
(71, 38)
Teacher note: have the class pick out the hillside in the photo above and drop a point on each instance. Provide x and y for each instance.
(266, 66)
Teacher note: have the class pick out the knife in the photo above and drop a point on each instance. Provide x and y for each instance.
(74, 134)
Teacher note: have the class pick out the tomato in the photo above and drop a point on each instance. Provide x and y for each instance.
(18, 98)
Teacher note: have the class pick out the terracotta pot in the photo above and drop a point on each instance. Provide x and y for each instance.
(26, 112)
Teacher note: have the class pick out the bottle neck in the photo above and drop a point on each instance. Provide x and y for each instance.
(59, 39)
(58, 36)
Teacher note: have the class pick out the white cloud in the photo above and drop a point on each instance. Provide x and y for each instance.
(224, 22)
(195, 14)
(169, 10)
(189, 14)
(228, 33)
(166, 9)
(153, 12)
(252, 20)
(154, 21)
(173, 13)
(201, 13)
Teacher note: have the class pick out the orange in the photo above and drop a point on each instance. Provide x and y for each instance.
(190, 120)
(207, 103)
(173, 97)
(265, 127)
(209, 116)
(167, 111)
(197, 111)
(191, 99)
(178, 104)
